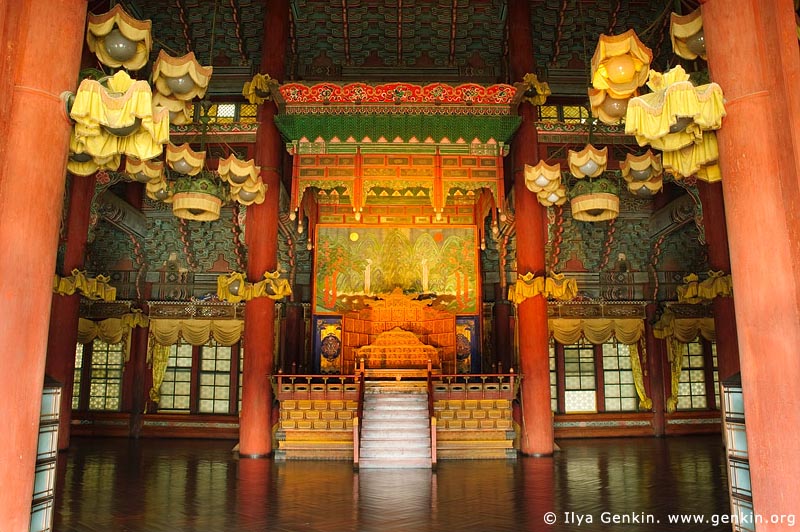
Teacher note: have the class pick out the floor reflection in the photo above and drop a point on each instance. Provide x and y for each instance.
(181, 485)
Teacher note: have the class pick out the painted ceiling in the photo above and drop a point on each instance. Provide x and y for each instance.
(373, 40)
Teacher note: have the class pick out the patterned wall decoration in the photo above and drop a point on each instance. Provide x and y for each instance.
(468, 343)
(623, 245)
(327, 344)
(111, 250)
(194, 246)
(438, 263)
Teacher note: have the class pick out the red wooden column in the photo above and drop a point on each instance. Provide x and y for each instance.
(261, 235)
(42, 54)
(655, 382)
(63, 334)
(537, 419)
(719, 259)
(754, 56)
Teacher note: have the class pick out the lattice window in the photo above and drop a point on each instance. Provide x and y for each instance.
(105, 388)
(248, 112)
(548, 113)
(241, 375)
(715, 362)
(76, 377)
(580, 383)
(227, 113)
(177, 384)
(572, 114)
(692, 384)
(553, 378)
(618, 386)
(215, 379)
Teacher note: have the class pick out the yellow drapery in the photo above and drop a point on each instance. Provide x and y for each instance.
(165, 333)
(196, 332)
(676, 332)
(596, 330)
(695, 291)
(272, 286)
(645, 403)
(111, 330)
(599, 331)
(90, 287)
(159, 355)
(556, 286)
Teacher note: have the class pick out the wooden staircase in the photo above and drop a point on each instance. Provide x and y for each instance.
(395, 430)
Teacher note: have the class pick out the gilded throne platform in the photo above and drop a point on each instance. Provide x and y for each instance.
(398, 353)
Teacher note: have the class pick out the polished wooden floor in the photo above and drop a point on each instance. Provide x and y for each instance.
(188, 485)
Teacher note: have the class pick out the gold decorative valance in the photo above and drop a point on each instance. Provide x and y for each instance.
(111, 330)
(259, 89)
(235, 288)
(684, 330)
(89, 287)
(555, 286)
(718, 284)
(596, 330)
(196, 332)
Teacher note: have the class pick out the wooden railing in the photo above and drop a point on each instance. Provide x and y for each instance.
(477, 386)
(431, 415)
(321, 387)
(359, 415)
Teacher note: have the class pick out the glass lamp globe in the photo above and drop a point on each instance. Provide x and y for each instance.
(161, 194)
(247, 196)
(615, 107)
(621, 69)
(680, 124)
(119, 47)
(181, 85)
(641, 175)
(238, 179)
(553, 197)
(125, 130)
(541, 181)
(589, 168)
(141, 177)
(697, 43)
(234, 287)
(182, 166)
(80, 157)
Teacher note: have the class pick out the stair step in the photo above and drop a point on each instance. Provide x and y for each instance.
(423, 409)
(399, 398)
(395, 424)
(415, 463)
(394, 453)
(391, 443)
(369, 433)
(392, 414)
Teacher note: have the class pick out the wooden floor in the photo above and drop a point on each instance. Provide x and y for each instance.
(188, 485)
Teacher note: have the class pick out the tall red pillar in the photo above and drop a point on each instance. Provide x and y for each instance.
(656, 382)
(537, 421)
(719, 260)
(42, 54)
(753, 55)
(261, 235)
(63, 334)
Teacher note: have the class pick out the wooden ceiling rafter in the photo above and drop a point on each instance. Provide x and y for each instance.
(453, 32)
(346, 33)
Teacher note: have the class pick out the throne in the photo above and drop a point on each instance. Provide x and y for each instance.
(397, 333)
(398, 350)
